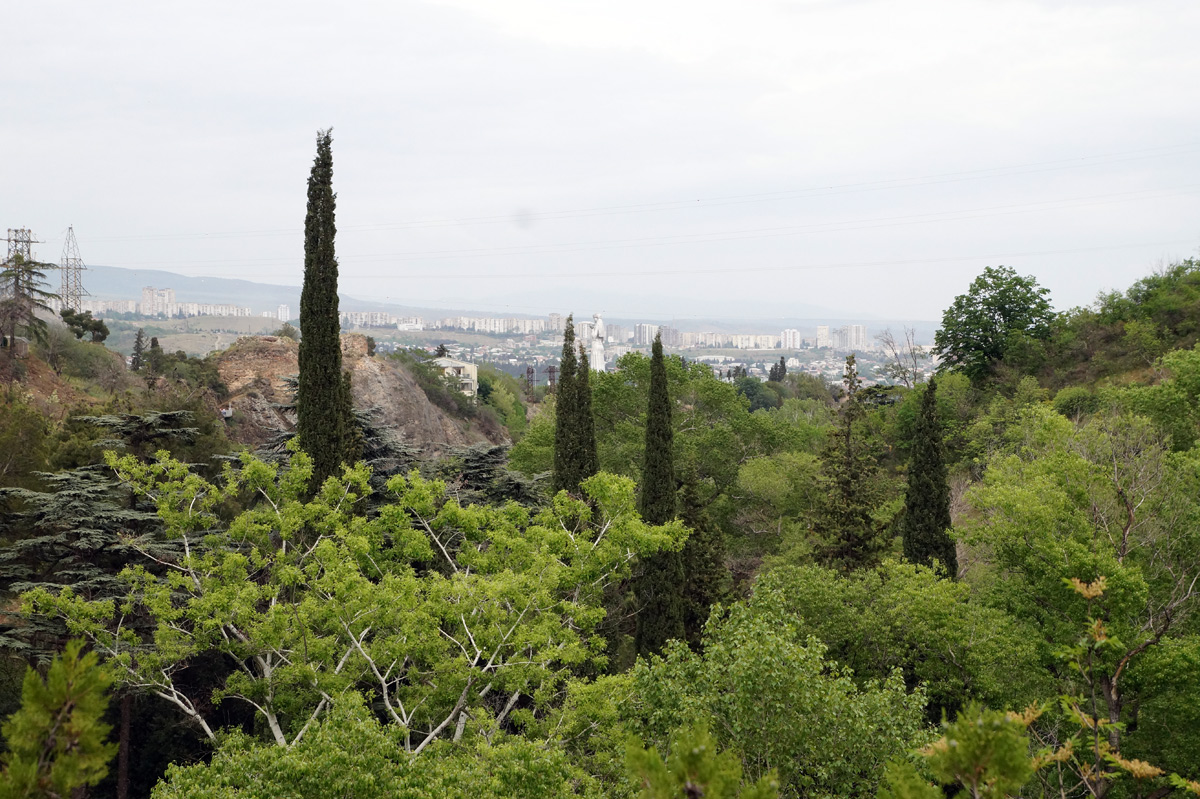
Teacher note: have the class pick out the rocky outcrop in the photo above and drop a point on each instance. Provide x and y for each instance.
(256, 368)
(256, 371)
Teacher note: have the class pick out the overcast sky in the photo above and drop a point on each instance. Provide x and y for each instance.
(648, 158)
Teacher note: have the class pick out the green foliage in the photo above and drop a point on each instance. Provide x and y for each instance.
(984, 753)
(350, 754)
(848, 530)
(1103, 500)
(926, 522)
(324, 412)
(288, 330)
(57, 740)
(81, 324)
(694, 768)
(502, 393)
(1002, 317)
(22, 296)
(24, 441)
(1075, 402)
(659, 586)
(376, 603)
(138, 358)
(770, 695)
(1127, 331)
(903, 617)
(575, 457)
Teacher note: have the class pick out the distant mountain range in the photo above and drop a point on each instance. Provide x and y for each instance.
(115, 283)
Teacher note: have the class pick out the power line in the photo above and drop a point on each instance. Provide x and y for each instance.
(718, 236)
(719, 200)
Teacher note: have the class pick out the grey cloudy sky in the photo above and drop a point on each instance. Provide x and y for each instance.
(657, 158)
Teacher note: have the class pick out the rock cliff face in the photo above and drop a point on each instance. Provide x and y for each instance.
(256, 368)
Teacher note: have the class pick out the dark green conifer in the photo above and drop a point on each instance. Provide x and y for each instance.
(575, 457)
(566, 474)
(656, 503)
(849, 537)
(589, 460)
(660, 586)
(139, 351)
(927, 502)
(324, 414)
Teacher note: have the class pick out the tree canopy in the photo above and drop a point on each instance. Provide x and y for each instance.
(1002, 316)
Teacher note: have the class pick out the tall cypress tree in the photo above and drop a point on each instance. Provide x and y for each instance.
(656, 502)
(566, 475)
(575, 457)
(927, 501)
(585, 423)
(660, 586)
(322, 402)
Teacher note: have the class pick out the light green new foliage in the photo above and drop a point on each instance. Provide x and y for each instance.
(984, 753)
(771, 697)
(451, 615)
(694, 768)
(1104, 500)
(351, 755)
(56, 739)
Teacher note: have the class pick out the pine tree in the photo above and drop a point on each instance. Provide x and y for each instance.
(139, 350)
(927, 502)
(849, 537)
(324, 414)
(660, 586)
(57, 740)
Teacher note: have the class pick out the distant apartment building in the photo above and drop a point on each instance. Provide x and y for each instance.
(583, 331)
(557, 323)
(284, 313)
(823, 337)
(616, 333)
(790, 339)
(856, 337)
(643, 334)
(670, 336)
(157, 302)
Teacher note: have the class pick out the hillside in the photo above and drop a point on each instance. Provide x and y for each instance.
(255, 369)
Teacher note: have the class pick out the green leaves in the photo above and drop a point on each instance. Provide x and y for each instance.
(1002, 316)
(447, 613)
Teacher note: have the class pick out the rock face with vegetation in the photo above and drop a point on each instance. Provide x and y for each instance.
(257, 370)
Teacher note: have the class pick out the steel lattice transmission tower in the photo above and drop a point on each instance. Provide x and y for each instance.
(72, 292)
(20, 242)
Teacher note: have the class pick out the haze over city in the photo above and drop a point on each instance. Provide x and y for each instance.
(661, 159)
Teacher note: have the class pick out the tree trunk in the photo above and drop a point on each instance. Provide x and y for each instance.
(123, 747)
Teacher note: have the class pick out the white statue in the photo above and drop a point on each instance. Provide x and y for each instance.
(598, 337)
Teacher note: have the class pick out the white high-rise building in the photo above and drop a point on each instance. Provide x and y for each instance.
(284, 313)
(823, 339)
(790, 339)
(857, 337)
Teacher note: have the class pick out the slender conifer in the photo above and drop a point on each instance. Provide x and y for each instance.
(566, 477)
(585, 423)
(927, 501)
(322, 403)
(660, 587)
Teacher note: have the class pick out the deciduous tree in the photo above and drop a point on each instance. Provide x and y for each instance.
(1002, 315)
